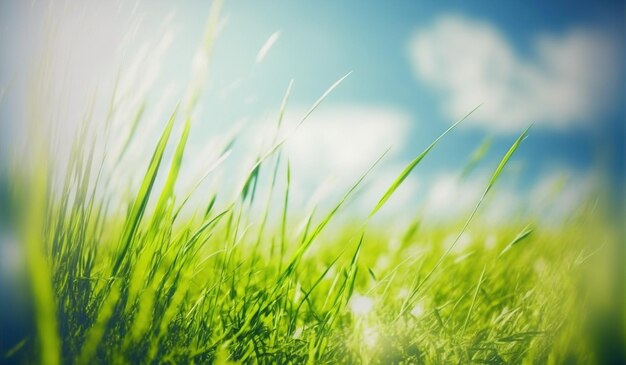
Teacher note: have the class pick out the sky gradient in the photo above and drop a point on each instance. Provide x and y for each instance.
(416, 66)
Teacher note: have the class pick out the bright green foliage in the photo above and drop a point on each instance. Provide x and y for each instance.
(228, 286)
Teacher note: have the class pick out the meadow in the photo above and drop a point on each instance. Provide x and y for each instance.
(227, 286)
(154, 276)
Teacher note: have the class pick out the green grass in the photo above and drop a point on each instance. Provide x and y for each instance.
(150, 284)
(226, 286)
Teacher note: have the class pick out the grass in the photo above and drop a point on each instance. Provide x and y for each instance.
(148, 284)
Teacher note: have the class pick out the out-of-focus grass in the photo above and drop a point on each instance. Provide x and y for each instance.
(225, 285)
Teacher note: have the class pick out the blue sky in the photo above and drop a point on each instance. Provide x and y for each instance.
(322, 40)
(417, 66)
(319, 41)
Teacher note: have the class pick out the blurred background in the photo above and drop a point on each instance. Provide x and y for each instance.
(416, 68)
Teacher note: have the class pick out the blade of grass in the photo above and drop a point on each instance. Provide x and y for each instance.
(478, 154)
(469, 312)
(407, 170)
(141, 201)
(168, 189)
(522, 235)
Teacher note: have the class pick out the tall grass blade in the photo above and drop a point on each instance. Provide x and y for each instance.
(141, 201)
(168, 188)
(407, 170)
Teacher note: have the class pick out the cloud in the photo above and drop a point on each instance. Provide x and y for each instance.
(344, 140)
(561, 193)
(565, 80)
(552, 197)
(340, 142)
(448, 196)
(327, 155)
(329, 152)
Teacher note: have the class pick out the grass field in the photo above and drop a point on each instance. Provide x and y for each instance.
(223, 285)
(95, 276)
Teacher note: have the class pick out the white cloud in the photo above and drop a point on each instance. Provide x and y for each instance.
(448, 196)
(552, 197)
(341, 142)
(561, 193)
(327, 155)
(567, 80)
(346, 139)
